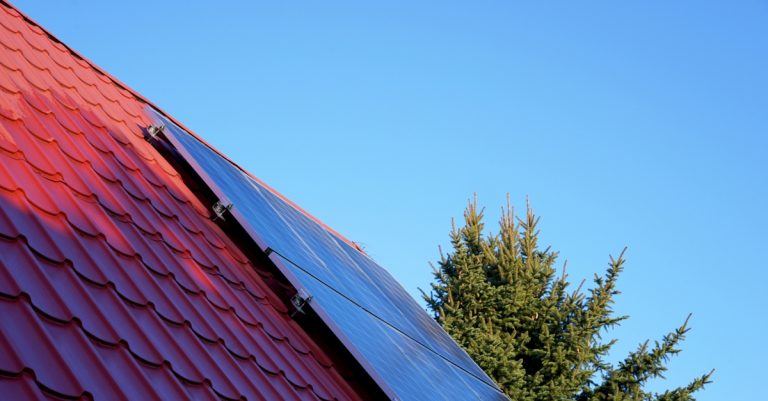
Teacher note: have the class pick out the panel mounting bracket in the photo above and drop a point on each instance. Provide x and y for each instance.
(153, 131)
(219, 209)
(299, 301)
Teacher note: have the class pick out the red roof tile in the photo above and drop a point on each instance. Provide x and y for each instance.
(114, 283)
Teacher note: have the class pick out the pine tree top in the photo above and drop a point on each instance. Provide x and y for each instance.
(501, 297)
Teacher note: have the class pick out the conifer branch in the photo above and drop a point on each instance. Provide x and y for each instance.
(500, 297)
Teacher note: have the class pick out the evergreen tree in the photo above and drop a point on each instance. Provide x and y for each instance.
(501, 298)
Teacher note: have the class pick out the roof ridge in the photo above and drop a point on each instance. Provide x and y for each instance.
(264, 299)
(227, 344)
(276, 337)
(86, 334)
(128, 89)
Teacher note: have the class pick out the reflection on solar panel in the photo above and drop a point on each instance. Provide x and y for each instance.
(400, 345)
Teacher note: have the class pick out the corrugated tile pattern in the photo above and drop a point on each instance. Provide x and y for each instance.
(114, 283)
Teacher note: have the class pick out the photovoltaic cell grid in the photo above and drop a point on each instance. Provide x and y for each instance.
(408, 352)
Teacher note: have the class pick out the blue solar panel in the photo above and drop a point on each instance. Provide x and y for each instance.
(400, 345)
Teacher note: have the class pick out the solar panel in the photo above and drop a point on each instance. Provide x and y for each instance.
(398, 343)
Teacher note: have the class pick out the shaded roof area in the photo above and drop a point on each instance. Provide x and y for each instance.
(114, 281)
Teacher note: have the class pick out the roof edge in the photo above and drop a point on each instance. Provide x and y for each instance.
(177, 122)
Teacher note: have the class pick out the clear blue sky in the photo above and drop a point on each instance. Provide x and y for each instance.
(626, 123)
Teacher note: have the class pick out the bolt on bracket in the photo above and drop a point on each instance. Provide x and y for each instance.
(219, 209)
(153, 131)
(299, 301)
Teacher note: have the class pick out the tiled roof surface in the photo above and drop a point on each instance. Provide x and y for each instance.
(114, 283)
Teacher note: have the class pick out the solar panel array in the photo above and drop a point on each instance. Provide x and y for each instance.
(399, 344)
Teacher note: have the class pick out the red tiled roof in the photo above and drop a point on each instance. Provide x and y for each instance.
(114, 283)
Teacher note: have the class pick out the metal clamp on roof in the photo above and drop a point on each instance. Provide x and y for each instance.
(299, 300)
(219, 209)
(154, 130)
